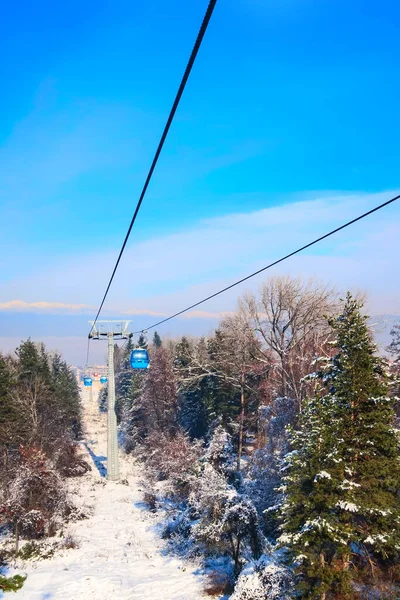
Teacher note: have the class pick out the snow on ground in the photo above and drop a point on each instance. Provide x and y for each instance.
(120, 556)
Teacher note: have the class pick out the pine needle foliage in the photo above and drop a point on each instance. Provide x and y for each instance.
(342, 482)
(11, 584)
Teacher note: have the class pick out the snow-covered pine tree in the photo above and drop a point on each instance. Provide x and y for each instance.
(158, 398)
(343, 477)
(190, 363)
(183, 354)
(226, 522)
(263, 475)
(124, 380)
(66, 393)
(35, 496)
(129, 385)
(103, 398)
(157, 340)
(142, 342)
(192, 413)
(394, 346)
(394, 350)
(11, 420)
(33, 363)
(223, 400)
(317, 539)
(220, 453)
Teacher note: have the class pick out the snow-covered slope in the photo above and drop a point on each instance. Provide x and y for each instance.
(119, 555)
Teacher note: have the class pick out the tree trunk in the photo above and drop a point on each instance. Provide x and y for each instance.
(236, 557)
(282, 356)
(322, 559)
(5, 456)
(241, 422)
(16, 529)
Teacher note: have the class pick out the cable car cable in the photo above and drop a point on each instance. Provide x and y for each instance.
(276, 262)
(178, 96)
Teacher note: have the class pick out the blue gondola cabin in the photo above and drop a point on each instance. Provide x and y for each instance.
(140, 359)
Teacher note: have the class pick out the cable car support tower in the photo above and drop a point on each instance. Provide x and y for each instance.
(111, 330)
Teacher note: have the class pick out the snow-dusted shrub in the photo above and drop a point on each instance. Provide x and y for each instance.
(103, 399)
(178, 533)
(263, 475)
(173, 458)
(70, 542)
(260, 483)
(274, 419)
(249, 586)
(35, 497)
(226, 522)
(218, 582)
(264, 579)
(150, 499)
(11, 584)
(179, 525)
(32, 524)
(38, 550)
(68, 461)
(210, 493)
(219, 453)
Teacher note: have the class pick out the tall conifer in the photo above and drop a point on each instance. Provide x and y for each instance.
(343, 476)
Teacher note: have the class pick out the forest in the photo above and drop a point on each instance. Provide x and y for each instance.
(40, 423)
(272, 446)
(270, 449)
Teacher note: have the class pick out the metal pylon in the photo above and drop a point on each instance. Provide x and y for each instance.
(112, 330)
(112, 436)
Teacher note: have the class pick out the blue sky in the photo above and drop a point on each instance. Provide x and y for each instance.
(290, 102)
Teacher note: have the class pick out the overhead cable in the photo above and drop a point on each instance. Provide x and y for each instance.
(178, 96)
(276, 262)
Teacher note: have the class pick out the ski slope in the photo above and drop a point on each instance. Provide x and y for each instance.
(119, 557)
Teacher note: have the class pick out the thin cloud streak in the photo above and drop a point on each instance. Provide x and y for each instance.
(160, 276)
(45, 306)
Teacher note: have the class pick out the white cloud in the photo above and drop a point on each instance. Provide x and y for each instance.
(163, 275)
(20, 305)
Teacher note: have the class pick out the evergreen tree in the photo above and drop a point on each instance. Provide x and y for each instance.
(46, 397)
(128, 384)
(142, 342)
(32, 362)
(223, 400)
(343, 476)
(33, 394)
(66, 394)
(201, 391)
(394, 346)
(193, 415)
(125, 375)
(394, 350)
(157, 340)
(11, 420)
(103, 398)
(184, 354)
(157, 402)
(6, 381)
(118, 357)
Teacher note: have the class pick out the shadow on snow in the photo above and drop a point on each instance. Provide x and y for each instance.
(98, 460)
